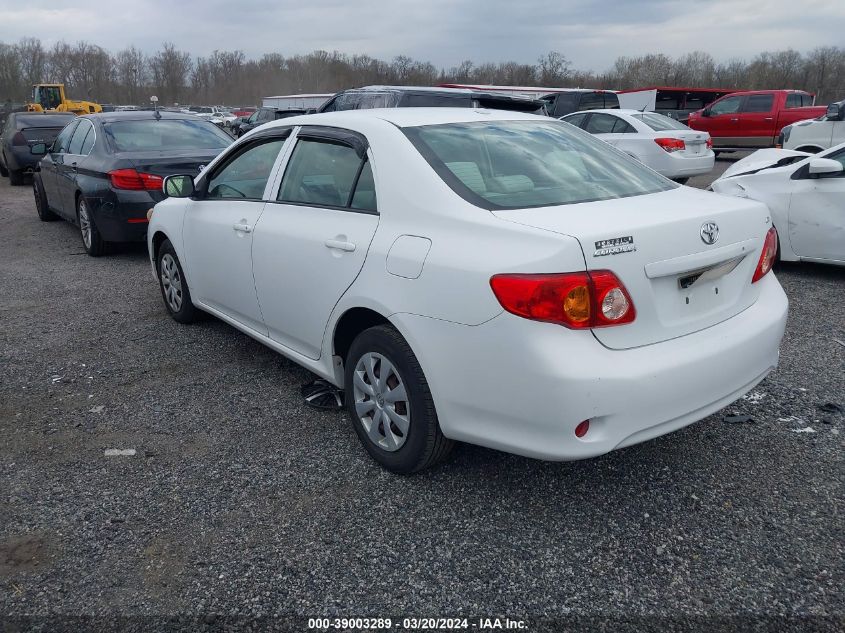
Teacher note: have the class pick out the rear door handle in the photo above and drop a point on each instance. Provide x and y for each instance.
(734, 120)
(242, 227)
(340, 246)
(768, 118)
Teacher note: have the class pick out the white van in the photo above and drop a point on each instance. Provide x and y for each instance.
(815, 135)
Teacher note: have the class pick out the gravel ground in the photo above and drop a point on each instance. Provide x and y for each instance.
(242, 502)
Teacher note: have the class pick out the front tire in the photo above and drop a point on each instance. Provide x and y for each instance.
(390, 404)
(91, 238)
(41, 205)
(173, 285)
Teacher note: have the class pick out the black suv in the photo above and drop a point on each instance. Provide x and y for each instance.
(419, 97)
(576, 100)
(262, 116)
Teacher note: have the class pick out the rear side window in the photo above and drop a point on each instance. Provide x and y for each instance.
(592, 101)
(576, 119)
(246, 175)
(328, 174)
(759, 103)
(165, 134)
(798, 100)
(659, 122)
(601, 124)
(82, 130)
(62, 141)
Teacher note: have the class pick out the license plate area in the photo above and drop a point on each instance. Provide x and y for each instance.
(702, 275)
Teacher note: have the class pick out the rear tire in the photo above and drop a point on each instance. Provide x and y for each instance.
(681, 181)
(15, 177)
(93, 242)
(41, 204)
(390, 404)
(174, 286)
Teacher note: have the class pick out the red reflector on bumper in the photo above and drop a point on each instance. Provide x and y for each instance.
(137, 220)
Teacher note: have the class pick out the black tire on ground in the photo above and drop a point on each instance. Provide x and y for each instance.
(424, 444)
(3, 171)
(94, 243)
(681, 181)
(41, 205)
(173, 285)
(15, 177)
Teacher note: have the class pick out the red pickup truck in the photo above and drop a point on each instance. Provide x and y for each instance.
(753, 119)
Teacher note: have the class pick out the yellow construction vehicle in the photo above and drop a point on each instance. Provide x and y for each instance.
(51, 98)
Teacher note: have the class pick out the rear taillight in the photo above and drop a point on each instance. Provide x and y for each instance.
(575, 300)
(671, 144)
(134, 180)
(767, 257)
(709, 143)
(19, 139)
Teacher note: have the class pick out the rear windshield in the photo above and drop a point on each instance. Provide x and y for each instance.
(520, 164)
(165, 134)
(43, 120)
(659, 122)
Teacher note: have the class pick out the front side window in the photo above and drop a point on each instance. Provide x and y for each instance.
(165, 134)
(522, 164)
(245, 176)
(759, 103)
(325, 174)
(729, 105)
(659, 122)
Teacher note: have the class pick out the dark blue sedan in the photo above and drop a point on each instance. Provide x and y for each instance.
(104, 171)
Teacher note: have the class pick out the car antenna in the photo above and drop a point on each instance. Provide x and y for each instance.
(154, 101)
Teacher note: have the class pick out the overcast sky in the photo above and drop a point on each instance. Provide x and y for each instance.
(591, 33)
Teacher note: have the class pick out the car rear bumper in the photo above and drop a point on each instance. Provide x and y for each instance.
(522, 386)
(19, 158)
(677, 166)
(121, 216)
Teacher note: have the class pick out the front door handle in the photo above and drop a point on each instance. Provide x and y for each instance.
(242, 227)
(768, 118)
(734, 120)
(339, 245)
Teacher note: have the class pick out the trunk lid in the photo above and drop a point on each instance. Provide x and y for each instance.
(653, 243)
(695, 143)
(170, 163)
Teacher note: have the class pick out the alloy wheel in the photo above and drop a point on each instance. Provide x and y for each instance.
(85, 224)
(381, 401)
(171, 282)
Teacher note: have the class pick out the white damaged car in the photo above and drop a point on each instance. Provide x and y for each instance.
(805, 194)
(489, 277)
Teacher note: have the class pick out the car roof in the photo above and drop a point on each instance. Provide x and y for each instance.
(405, 117)
(138, 115)
(614, 111)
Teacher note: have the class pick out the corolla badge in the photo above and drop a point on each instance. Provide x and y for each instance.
(709, 232)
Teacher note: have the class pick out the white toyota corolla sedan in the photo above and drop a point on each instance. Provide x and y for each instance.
(490, 277)
(806, 195)
(667, 146)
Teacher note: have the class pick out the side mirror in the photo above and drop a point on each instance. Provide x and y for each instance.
(825, 166)
(706, 112)
(39, 149)
(179, 186)
(836, 111)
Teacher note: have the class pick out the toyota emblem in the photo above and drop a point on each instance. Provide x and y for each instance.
(709, 232)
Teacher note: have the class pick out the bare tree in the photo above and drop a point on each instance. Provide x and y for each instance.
(170, 71)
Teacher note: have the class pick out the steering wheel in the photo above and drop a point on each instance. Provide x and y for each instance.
(219, 191)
